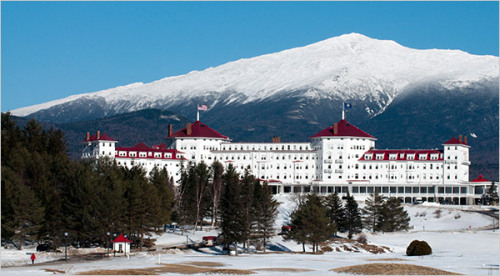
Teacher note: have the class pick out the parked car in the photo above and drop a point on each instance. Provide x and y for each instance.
(43, 247)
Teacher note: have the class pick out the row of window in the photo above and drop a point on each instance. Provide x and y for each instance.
(265, 147)
(264, 157)
(144, 154)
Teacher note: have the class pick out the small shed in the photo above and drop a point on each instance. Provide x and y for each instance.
(121, 245)
(209, 240)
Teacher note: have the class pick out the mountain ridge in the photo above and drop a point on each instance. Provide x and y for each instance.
(348, 66)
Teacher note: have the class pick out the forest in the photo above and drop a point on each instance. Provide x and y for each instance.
(45, 194)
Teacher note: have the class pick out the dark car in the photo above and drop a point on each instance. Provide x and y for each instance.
(43, 247)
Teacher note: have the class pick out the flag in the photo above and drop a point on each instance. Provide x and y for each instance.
(347, 105)
(202, 107)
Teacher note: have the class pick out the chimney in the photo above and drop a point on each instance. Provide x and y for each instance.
(188, 129)
(169, 130)
(87, 136)
(460, 138)
(335, 129)
(465, 140)
(98, 134)
(276, 139)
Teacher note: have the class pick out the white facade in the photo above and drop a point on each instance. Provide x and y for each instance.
(341, 158)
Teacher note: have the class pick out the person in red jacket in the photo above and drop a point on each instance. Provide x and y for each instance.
(33, 258)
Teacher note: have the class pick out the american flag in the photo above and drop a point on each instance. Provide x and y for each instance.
(202, 107)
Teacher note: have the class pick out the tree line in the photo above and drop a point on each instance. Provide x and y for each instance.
(244, 208)
(317, 218)
(45, 194)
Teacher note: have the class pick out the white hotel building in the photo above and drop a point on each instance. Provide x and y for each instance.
(339, 158)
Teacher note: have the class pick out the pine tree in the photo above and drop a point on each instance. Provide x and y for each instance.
(373, 212)
(265, 211)
(298, 225)
(232, 209)
(248, 182)
(112, 182)
(82, 204)
(184, 202)
(353, 217)
(160, 180)
(216, 189)
(492, 194)
(26, 212)
(321, 229)
(194, 199)
(336, 212)
(201, 186)
(393, 216)
(143, 203)
(310, 223)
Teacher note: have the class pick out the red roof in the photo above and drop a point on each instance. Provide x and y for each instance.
(121, 238)
(344, 128)
(402, 155)
(269, 181)
(102, 137)
(160, 146)
(480, 179)
(199, 129)
(144, 148)
(455, 141)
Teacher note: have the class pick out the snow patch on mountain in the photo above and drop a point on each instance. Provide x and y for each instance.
(346, 67)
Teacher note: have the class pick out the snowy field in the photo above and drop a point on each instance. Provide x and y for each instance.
(456, 248)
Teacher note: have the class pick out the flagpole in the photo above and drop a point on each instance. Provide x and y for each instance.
(197, 113)
(343, 112)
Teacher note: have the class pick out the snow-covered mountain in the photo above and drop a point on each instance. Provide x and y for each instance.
(350, 67)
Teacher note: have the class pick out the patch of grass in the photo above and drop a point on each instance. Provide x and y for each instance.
(145, 271)
(391, 269)
(54, 271)
(386, 259)
(283, 269)
(208, 264)
(169, 268)
(231, 271)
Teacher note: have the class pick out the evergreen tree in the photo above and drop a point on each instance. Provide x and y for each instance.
(492, 194)
(25, 216)
(201, 186)
(232, 209)
(336, 212)
(194, 200)
(298, 225)
(143, 203)
(310, 223)
(393, 216)
(83, 204)
(184, 197)
(265, 212)
(216, 189)
(373, 212)
(160, 180)
(353, 217)
(321, 229)
(112, 183)
(248, 182)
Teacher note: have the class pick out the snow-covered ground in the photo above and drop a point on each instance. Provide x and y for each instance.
(455, 248)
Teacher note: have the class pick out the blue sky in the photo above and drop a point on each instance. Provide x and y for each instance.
(51, 50)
